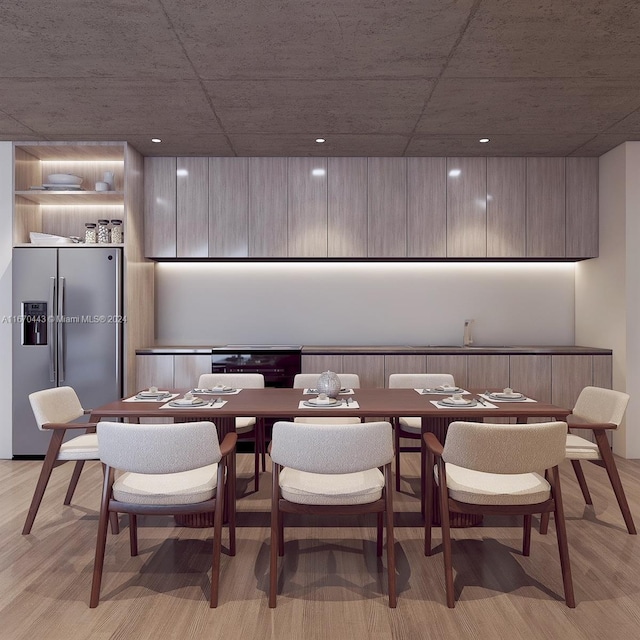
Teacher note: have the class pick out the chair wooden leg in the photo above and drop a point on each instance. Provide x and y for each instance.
(612, 470)
(379, 527)
(427, 473)
(396, 444)
(577, 468)
(101, 541)
(73, 483)
(275, 535)
(391, 551)
(218, 516)
(230, 501)
(133, 534)
(446, 539)
(45, 473)
(263, 442)
(526, 535)
(544, 517)
(561, 533)
(256, 462)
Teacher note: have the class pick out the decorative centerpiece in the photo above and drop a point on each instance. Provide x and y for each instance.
(329, 383)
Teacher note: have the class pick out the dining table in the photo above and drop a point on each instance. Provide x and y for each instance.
(278, 403)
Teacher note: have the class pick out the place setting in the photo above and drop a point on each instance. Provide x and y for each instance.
(152, 394)
(443, 388)
(506, 395)
(190, 401)
(217, 390)
(323, 401)
(457, 401)
(343, 391)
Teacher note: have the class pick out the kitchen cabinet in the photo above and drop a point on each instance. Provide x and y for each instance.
(268, 207)
(426, 207)
(403, 364)
(545, 219)
(466, 207)
(318, 364)
(453, 364)
(387, 208)
(160, 201)
(488, 371)
(169, 371)
(506, 207)
(307, 207)
(65, 213)
(192, 207)
(582, 207)
(229, 207)
(370, 368)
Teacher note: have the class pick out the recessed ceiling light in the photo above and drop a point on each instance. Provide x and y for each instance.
(320, 140)
(454, 173)
(156, 140)
(483, 140)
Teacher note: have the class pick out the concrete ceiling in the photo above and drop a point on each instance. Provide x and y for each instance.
(374, 77)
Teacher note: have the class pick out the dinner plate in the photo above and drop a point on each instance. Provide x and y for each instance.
(155, 395)
(196, 402)
(514, 397)
(444, 390)
(214, 391)
(448, 402)
(331, 403)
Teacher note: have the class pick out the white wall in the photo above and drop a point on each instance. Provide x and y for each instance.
(6, 237)
(608, 288)
(364, 303)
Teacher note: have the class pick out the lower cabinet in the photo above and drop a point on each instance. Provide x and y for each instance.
(170, 371)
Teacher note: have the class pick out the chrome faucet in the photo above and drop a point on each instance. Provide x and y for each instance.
(467, 340)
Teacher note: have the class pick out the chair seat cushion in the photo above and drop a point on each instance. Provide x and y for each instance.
(411, 425)
(244, 425)
(328, 420)
(186, 487)
(317, 488)
(83, 447)
(477, 487)
(580, 449)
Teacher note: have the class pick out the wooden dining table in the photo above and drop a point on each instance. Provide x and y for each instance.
(283, 403)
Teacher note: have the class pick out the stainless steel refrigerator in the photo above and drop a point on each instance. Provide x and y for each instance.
(67, 330)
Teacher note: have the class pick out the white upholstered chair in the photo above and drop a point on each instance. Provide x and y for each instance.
(310, 381)
(247, 428)
(411, 427)
(496, 469)
(55, 410)
(163, 469)
(599, 410)
(332, 469)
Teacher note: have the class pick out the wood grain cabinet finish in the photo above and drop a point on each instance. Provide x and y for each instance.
(370, 368)
(531, 375)
(160, 207)
(307, 207)
(582, 175)
(403, 364)
(346, 207)
(453, 364)
(506, 207)
(466, 207)
(154, 371)
(545, 207)
(320, 363)
(387, 208)
(488, 371)
(268, 207)
(192, 207)
(228, 207)
(188, 368)
(426, 207)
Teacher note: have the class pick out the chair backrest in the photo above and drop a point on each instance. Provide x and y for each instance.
(601, 405)
(158, 448)
(310, 380)
(59, 404)
(238, 380)
(505, 448)
(419, 380)
(332, 448)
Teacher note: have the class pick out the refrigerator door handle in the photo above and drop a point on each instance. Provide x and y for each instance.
(50, 328)
(61, 330)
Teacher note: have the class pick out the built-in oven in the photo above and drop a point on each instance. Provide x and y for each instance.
(277, 363)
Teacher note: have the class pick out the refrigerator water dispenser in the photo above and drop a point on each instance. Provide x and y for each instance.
(34, 323)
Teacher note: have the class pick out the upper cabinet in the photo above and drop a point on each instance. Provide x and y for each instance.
(386, 208)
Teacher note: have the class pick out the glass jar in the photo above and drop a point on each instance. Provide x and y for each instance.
(116, 232)
(90, 233)
(103, 231)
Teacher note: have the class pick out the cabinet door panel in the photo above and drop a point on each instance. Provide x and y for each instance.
(582, 207)
(268, 207)
(160, 207)
(488, 372)
(466, 207)
(545, 208)
(426, 207)
(154, 371)
(506, 207)
(188, 369)
(228, 207)
(455, 365)
(387, 217)
(192, 210)
(307, 208)
(318, 364)
(347, 207)
(602, 371)
(403, 364)
(569, 375)
(369, 368)
(531, 375)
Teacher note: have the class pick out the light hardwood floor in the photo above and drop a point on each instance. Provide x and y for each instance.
(334, 586)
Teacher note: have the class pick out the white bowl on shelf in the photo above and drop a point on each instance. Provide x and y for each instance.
(64, 178)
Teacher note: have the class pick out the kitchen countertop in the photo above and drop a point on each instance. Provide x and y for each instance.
(400, 350)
